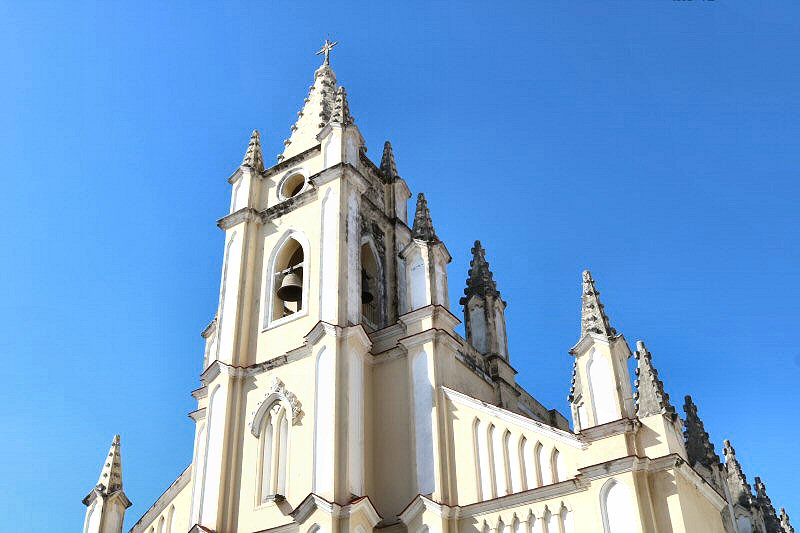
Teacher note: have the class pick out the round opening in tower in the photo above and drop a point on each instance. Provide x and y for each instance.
(292, 186)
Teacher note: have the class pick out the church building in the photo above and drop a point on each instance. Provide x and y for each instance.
(337, 396)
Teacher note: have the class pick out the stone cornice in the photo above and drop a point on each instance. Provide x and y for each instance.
(209, 329)
(609, 429)
(218, 367)
(198, 414)
(522, 421)
(547, 492)
(583, 345)
(312, 502)
(245, 214)
(421, 504)
(286, 206)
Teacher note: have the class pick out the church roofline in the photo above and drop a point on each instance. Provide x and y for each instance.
(534, 425)
(167, 496)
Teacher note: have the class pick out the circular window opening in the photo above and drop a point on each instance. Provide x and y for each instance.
(293, 185)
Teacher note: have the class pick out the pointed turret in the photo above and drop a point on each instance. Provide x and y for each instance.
(765, 504)
(650, 397)
(253, 158)
(106, 503)
(593, 315)
(423, 225)
(388, 165)
(485, 323)
(787, 527)
(480, 280)
(741, 492)
(601, 389)
(699, 448)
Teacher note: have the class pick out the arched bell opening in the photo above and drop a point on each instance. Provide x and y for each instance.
(288, 282)
(371, 289)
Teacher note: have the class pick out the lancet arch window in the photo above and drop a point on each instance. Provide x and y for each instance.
(273, 449)
(372, 288)
(287, 280)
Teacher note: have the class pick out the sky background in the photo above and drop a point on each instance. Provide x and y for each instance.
(656, 142)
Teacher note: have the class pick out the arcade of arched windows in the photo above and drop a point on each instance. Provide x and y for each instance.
(507, 463)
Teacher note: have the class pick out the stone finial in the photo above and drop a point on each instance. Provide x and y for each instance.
(388, 166)
(253, 158)
(650, 397)
(763, 501)
(111, 473)
(480, 280)
(341, 109)
(593, 315)
(423, 225)
(740, 489)
(699, 448)
(785, 525)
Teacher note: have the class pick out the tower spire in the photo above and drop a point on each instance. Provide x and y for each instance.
(388, 166)
(254, 158)
(650, 397)
(480, 280)
(699, 448)
(423, 225)
(593, 315)
(326, 103)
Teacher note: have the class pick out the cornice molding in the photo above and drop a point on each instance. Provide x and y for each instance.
(609, 429)
(245, 214)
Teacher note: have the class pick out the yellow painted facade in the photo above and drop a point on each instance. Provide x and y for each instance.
(337, 396)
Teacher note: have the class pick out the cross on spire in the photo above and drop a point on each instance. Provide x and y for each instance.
(326, 49)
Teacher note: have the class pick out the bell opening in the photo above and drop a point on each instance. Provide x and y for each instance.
(288, 273)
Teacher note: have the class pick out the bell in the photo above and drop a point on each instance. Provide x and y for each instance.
(291, 289)
(366, 295)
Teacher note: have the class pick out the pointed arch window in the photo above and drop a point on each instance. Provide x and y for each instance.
(617, 509)
(287, 281)
(273, 450)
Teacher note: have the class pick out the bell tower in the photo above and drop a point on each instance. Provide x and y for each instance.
(312, 266)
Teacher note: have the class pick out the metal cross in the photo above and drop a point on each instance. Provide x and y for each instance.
(326, 49)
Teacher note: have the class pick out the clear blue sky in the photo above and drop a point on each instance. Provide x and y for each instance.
(656, 142)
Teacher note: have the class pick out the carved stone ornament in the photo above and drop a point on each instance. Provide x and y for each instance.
(279, 392)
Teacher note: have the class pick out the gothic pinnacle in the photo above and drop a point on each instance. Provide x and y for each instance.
(480, 280)
(699, 448)
(787, 527)
(253, 158)
(341, 109)
(763, 501)
(593, 315)
(388, 166)
(740, 489)
(423, 225)
(650, 396)
(111, 473)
